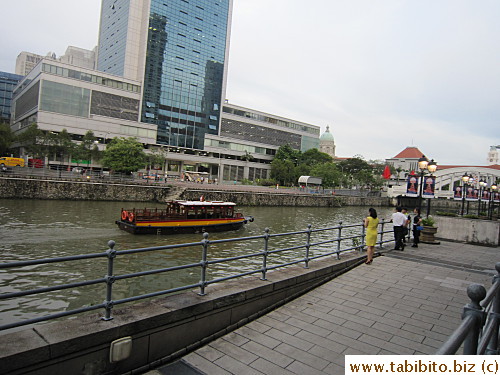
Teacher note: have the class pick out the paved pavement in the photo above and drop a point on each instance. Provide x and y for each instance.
(404, 303)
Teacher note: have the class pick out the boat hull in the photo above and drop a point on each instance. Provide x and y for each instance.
(178, 227)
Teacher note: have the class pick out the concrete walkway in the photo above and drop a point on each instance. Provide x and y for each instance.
(404, 303)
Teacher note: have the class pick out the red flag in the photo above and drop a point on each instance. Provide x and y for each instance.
(387, 173)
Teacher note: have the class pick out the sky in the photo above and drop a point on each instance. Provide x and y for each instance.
(383, 75)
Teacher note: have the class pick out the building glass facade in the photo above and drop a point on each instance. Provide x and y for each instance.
(7, 83)
(184, 72)
(113, 36)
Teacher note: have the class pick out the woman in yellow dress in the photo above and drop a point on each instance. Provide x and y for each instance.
(371, 225)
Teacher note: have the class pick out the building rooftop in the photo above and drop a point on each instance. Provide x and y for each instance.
(409, 153)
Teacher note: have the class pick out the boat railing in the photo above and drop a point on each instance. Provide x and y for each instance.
(268, 252)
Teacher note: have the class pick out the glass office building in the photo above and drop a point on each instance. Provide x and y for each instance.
(182, 64)
(184, 73)
(7, 83)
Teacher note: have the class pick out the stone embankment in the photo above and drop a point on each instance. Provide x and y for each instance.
(27, 188)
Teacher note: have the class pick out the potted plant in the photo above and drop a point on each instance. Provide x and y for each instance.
(429, 231)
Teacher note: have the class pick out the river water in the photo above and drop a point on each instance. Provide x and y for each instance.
(33, 229)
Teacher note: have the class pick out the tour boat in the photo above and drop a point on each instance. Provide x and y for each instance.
(183, 217)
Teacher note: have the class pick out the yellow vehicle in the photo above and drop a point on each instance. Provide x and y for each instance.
(11, 162)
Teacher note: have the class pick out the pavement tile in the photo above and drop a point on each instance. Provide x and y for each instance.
(300, 368)
(412, 345)
(327, 354)
(204, 365)
(258, 337)
(234, 351)
(387, 345)
(270, 368)
(282, 326)
(269, 355)
(290, 340)
(236, 367)
(302, 356)
(235, 339)
(322, 341)
(210, 353)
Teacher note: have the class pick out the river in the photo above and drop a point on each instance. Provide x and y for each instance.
(31, 229)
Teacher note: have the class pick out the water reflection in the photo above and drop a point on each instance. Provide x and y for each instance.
(32, 229)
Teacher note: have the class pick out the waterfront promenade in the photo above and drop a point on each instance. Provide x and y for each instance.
(404, 303)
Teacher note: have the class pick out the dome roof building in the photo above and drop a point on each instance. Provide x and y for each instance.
(327, 143)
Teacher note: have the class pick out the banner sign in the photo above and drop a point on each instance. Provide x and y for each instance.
(412, 186)
(471, 193)
(429, 187)
(485, 196)
(496, 197)
(457, 192)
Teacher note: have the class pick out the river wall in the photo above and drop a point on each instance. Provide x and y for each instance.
(26, 188)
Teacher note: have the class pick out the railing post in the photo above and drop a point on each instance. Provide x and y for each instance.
(338, 240)
(204, 264)
(266, 252)
(476, 293)
(308, 245)
(381, 246)
(110, 279)
(492, 348)
(363, 235)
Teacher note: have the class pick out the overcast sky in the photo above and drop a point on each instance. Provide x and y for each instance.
(383, 74)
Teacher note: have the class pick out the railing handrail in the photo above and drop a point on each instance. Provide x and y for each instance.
(265, 252)
(479, 330)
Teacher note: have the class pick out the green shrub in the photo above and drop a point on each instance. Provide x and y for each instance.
(470, 216)
(428, 221)
(443, 213)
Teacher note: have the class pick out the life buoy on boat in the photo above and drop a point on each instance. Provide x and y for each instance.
(130, 216)
(124, 215)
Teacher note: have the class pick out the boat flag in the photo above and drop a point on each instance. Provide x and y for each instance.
(387, 173)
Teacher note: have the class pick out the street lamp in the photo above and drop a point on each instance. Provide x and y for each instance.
(482, 186)
(491, 206)
(465, 179)
(425, 165)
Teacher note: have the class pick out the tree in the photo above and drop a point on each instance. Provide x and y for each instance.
(329, 174)
(313, 156)
(6, 138)
(354, 165)
(283, 171)
(124, 155)
(286, 152)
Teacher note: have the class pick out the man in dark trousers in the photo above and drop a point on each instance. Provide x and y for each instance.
(399, 221)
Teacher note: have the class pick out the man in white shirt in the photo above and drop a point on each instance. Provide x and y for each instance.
(399, 221)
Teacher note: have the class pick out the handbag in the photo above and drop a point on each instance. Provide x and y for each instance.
(419, 227)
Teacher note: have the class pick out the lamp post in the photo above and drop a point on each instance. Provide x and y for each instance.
(425, 165)
(491, 204)
(482, 186)
(465, 179)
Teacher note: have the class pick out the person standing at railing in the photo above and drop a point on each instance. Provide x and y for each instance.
(399, 221)
(371, 225)
(417, 222)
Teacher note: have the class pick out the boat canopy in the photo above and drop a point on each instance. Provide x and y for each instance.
(205, 203)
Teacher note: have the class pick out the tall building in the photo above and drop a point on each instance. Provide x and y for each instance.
(179, 50)
(26, 61)
(161, 77)
(80, 57)
(7, 83)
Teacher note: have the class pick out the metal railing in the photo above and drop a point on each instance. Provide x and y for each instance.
(313, 245)
(479, 330)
